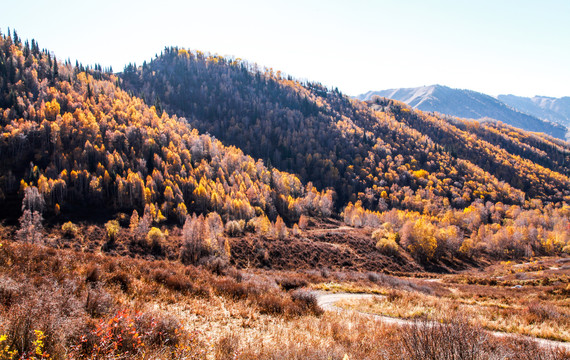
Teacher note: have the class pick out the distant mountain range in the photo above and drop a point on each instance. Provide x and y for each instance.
(474, 105)
(543, 107)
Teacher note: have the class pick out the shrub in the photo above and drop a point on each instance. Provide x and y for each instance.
(9, 290)
(176, 282)
(299, 303)
(234, 228)
(217, 264)
(128, 334)
(5, 352)
(386, 241)
(155, 239)
(543, 312)
(307, 302)
(441, 340)
(121, 278)
(69, 229)
(231, 288)
(112, 227)
(291, 282)
(387, 245)
(92, 273)
(227, 347)
(98, 303)
(272, 304)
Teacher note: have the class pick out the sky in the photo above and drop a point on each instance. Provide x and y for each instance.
(518, 47)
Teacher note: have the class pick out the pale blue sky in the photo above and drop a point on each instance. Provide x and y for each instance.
(493, 46)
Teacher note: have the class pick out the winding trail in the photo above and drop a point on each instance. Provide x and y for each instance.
(327, 302)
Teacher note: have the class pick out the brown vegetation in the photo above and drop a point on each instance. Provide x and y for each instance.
(83, 305)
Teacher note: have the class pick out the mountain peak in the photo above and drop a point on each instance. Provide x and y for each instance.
(472, 105)
(543, 107)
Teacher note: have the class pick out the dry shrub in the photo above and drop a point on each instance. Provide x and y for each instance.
(229, 287)
(227, 346)
(128, 334)
(373, 277)
(398, 283)
(273, 304)
(159, 328)
(160, 275)
(393, 296)
(522, 349)
(291, 282)
(54, 309)
(92, 273)
(295, 351)
(540, 312)
(216, 264)
(9, 291)
(440, 340)
(234, 228)
(173, 281)
(299, 303)
(98, 303)
(456, 339)
(306, 302)
(121, 278)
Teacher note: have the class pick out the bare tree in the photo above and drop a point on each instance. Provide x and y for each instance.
(31, 228)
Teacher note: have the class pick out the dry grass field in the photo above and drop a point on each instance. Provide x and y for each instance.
(70, 304)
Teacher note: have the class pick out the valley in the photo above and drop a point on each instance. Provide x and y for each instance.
(199, 206)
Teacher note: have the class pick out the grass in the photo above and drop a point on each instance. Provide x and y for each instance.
(335, 287)
(89, 304)
(536, 312)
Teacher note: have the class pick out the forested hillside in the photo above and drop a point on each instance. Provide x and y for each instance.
(78, 145)
(90, 147)
(382, 153)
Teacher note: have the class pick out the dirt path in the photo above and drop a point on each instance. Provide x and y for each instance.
(327, 302)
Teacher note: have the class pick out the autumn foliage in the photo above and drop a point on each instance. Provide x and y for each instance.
(82, 142)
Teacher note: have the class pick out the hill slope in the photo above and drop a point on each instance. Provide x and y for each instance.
(90, 147)
(76, 140)
(547, 108)
(382, 154)
(467, 104)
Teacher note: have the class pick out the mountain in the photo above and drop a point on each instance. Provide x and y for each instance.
(252, 154)
(543, 107)
(467, 104)
(380, 153)
(88, 139)
(359, 191)
(90, 148)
